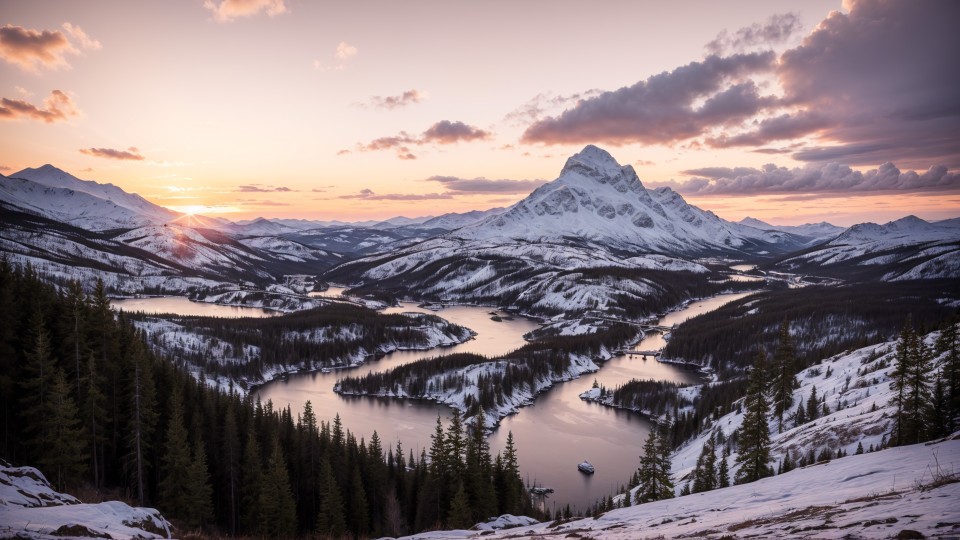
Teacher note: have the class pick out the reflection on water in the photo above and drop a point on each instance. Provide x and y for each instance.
(181, 305)
(552, 435)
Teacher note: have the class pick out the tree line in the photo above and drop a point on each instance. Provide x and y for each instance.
(86, 400)
(825, 320)
(324, 336)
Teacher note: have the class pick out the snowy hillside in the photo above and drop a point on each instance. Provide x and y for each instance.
(57, 194)
(897, 491)
(31, 508)
(908, 248)
(816, 232)
(597, 201)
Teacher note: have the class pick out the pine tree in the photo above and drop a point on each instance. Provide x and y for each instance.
(331, 521)
(141, 419)
(800, 417)
(859, 448)
(63, 449)
(359, 511)
(938, 411)
(175, 462)
(911, 378)
(479, 471)
(783, 381)
(460, 512)
(252, 476)
(654, 471)
(754, 454)
(231, 465)
(949, 344)
(723, 471)
(35, 383)
(199, 493)
(705, 473)
(278, 517)
(813, 405)
(95, 419)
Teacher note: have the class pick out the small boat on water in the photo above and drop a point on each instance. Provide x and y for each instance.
(586, 467)
(541, 490)
(326, 370)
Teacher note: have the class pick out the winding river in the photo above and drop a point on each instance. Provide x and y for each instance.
(552, 435)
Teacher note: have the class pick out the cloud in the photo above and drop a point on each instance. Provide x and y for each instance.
(884, 80)
(129, 154)
(777, 29)
(664, 108)
(227, 10)
(447, 132)
(484, 185)
(345, 51)
(252, 202)
(343, 152)
(4, 168)
(34, 49)
(875, 84)
(341, 54)
(815, 178)
(260, 188)
(542, 104)
(442, 132)
(409, 97)
(77, 33)
(57, 107)
(369, 195)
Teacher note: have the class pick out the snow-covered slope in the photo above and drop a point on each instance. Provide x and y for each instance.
(907, 491)
(31, 508)
(908, 248)
(54, 193)
(456, 220)
(596, 200)
(817, 232)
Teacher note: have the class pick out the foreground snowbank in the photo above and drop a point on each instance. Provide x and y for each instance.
(874, 495)
(31, 508)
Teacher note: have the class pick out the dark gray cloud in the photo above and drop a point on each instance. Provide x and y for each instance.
(131, 154)
(442, 132)
(814, 178)
(57, 107)
(260, 188)
(777, 29)
(369, 195)
(663, 108)
(409, 97)
(485, 185)
(447, 132)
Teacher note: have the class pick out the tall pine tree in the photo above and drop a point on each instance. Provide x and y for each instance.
(754, 439)
(783, 380)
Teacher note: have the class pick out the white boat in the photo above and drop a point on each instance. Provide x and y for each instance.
(326, 370)
(586, 467)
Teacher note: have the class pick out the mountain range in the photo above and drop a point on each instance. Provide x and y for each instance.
(593, 238)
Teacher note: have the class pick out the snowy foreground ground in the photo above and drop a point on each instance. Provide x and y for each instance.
(874, 495)
(31, 508)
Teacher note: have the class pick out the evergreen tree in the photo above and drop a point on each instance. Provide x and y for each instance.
(911, 377)
(813, 405)
(231, 466)
(35, 383)
(800, 417)
(359, 511)
(949, 344)
(199, 492)
(331, 521)
(654, 471)
(95, 419)
(252, 481)
(723, 471)
(175, 462)
(705, 473)
(783, 380)
(479, 472)
(754, 439)
(63, 451)
(938, 420)
(141, 421)
(461, 516)
(278, 516)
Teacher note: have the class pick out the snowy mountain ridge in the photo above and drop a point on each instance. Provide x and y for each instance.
(818, 232)
(598, 201)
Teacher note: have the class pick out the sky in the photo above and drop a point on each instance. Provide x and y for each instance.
(788, 111)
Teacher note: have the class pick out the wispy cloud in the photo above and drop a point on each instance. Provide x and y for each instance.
(228, 10)
(342, 54)
(33, 50)
(777, 29)
(485, 185)
(260, 188)
(815, 179)
(399, 101)
(369, 195)
(131, 153)
(57, 107)
(442, 132)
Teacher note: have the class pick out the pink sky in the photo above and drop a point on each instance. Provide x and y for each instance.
(790, 112)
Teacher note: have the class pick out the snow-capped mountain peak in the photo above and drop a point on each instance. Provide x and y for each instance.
(598, 201)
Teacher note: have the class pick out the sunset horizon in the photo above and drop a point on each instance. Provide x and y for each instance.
(267, 108)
